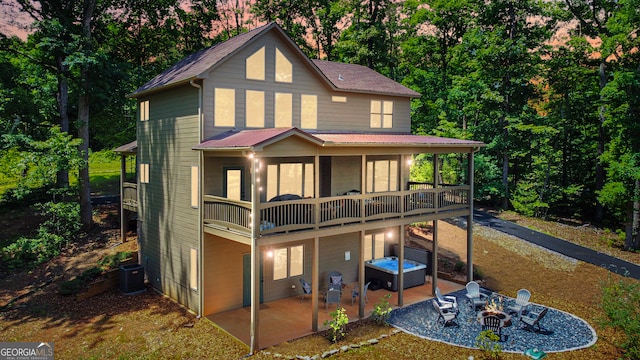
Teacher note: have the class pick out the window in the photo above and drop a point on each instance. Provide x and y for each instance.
(283, 109)
(144, 110)
(373, 246)
(144, 173)
(290, 178)
(233, 181)
(195, 180)
(309, 111)
(284, 70)
(255, 65)
(382, 175)
(288, 262)
(381, 114)
(225, 107)
(255, 108)
(339, 99)
(193, 269)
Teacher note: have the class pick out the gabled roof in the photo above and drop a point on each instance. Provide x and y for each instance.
(195, 66)
(253, 139)
(338, 76)
(351, 77)
(259, 138)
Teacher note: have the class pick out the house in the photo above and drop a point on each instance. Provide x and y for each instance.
(257, 166)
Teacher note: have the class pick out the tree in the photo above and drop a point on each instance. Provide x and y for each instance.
(593, 17)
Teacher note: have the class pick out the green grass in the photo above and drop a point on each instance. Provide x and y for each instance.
(104, 173)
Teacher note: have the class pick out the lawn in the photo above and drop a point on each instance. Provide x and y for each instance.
(112, 325)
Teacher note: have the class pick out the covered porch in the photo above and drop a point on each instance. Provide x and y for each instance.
(290, 318)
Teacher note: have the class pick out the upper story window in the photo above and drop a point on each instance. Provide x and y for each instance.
(284, 69)
(339, 99)
(382, 176)
(309, 111)
(144, 173)
(255, 108)
(290, 178)
(254, 65)
(381, 114)
(283, 109)
(144, 110)
(225, 107)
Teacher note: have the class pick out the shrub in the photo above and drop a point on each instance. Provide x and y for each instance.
(382, 311)
(61, 224)
(459, 267)
(337, 325)
(113, 261)
(621, 305)
(477, 273)
(78, 284)
(488, 342)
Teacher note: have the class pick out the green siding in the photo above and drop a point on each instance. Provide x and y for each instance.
(170, 226)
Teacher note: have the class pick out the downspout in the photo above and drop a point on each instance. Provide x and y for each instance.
(200, 203)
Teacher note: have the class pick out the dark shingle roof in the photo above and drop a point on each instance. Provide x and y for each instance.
(350, 77)
(355, 78)
(199, 63)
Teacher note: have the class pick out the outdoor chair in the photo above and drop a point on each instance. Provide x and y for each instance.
(532, 320)
(306, 288)
(447, 315)
(475, 297)
(494, 324)
(522, 301)
(355, 293)
(335, 280)
(446, 302)
(333, 296)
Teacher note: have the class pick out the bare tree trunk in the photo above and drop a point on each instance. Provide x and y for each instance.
(632, 238)
(599, 210)
(86, 210)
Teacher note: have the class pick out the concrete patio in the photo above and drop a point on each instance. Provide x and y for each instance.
(290, 318)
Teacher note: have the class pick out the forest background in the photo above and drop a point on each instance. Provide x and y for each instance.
(552, 88)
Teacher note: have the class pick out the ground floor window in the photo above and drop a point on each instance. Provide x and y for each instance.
(374, 246)
(288, 262)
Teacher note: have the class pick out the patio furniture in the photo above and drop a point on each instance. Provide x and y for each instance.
(446, 302)
(522, 301)
(335, 280)
(332, 296)
(535, 354)
(355, 292)
(306, 288)
(532, 320)
(447, 315)
(494, 324)
(475, 297)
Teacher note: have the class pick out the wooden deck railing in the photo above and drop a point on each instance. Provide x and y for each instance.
(130, 196)
(315, 213)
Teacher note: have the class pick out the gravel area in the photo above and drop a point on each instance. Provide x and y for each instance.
(561, 331)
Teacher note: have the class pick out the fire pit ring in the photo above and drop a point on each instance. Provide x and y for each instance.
(503, 316)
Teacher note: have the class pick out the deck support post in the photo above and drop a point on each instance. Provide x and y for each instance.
(315, 287)
(255, 261)
(401, 268)
(470, 178)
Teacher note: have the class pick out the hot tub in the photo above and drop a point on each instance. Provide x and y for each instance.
(385, 270)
